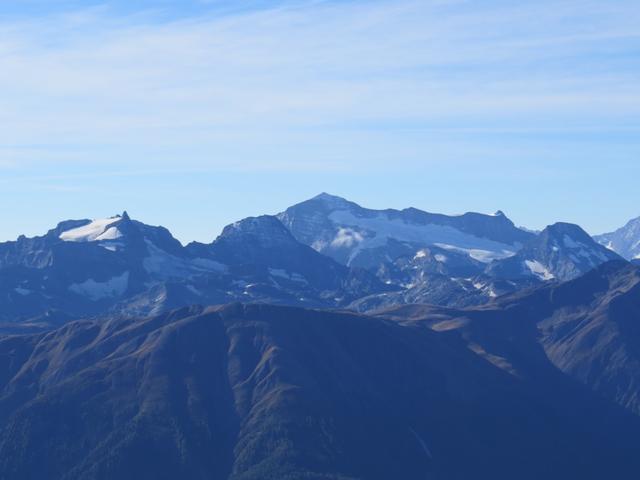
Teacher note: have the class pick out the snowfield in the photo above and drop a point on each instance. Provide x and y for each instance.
(539, 270)
(95, 291)
(96, 230)
(362, 233)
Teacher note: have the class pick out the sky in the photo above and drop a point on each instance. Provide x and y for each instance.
(195, 114)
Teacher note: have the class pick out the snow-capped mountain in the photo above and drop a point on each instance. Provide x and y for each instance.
(625, 241)
(432, 258)
(91, 266)
(446, 260)
(325, 252)
(415, 391)
(358, 236)
(562, 252)
(84, 266)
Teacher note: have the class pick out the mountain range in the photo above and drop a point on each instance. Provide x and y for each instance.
(325, 252)
(328, 341)
(541, 384)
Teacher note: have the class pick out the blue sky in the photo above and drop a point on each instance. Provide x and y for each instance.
(194, 114)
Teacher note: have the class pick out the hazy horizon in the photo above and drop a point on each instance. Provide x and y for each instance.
(195, 114)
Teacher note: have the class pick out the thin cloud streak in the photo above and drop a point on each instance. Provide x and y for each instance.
(206, 84)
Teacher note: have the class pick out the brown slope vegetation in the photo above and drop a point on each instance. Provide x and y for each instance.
(262, 392)
(588, 329)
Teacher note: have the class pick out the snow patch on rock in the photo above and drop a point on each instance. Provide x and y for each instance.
(164, 265)
(484, 256)
(346, 237)
(94, 290)
(420, 254)
(295, 277)
(539, 270)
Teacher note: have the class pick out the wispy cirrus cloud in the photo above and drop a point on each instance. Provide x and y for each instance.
(304, 83)
(225, 109)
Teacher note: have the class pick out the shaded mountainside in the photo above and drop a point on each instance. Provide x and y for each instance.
(263, 392)
(264, 245)
(588, 328)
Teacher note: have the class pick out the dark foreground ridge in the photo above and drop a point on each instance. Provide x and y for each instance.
(265, 392)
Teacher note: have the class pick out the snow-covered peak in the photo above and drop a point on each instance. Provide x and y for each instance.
(118, 233)
(358, 236)
(94, 231)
